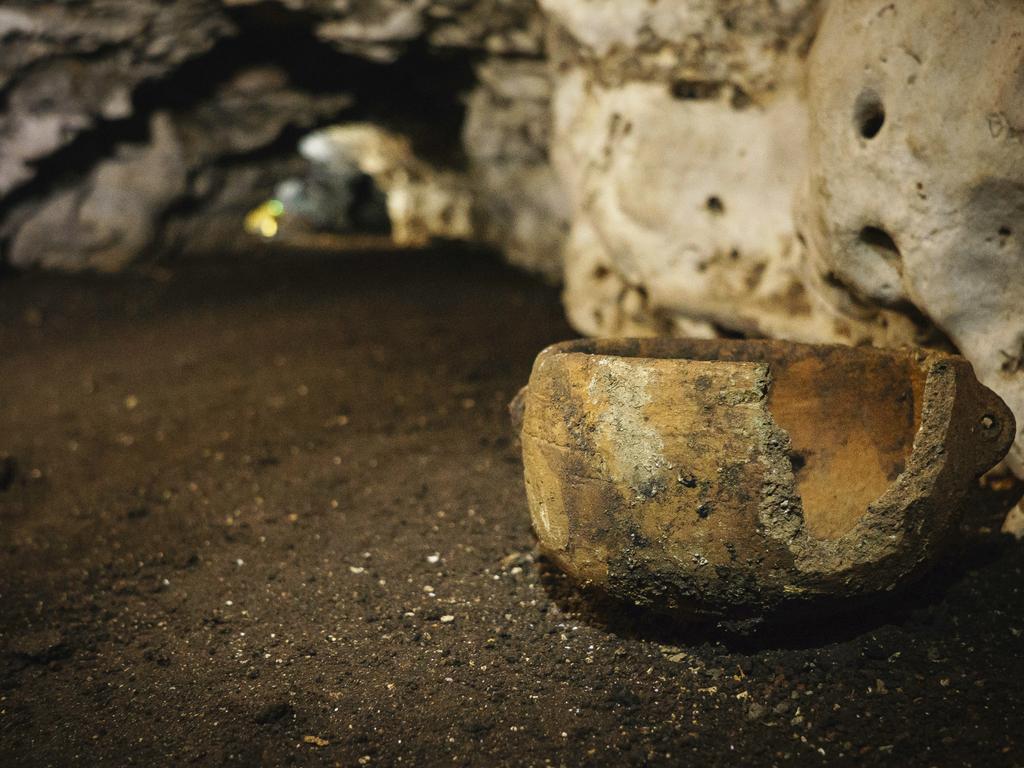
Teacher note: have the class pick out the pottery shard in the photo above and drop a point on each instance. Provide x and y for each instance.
(735, 479)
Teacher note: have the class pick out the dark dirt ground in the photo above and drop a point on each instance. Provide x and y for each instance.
(266, 511)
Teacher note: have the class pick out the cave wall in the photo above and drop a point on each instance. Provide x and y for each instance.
(702, 167)
(132, 130)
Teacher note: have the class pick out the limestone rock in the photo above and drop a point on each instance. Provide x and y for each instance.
(518, 203)
(685, 201)
(66, 68)
(116, 213)
(679, 135)
(914, 199)
(109, 220)
(381, 30)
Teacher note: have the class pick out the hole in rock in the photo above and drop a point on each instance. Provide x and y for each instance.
(869, 114)
(740, 98)
(715, 204)
(882, 242)
(694, 89)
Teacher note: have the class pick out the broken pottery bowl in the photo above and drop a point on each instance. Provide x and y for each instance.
(736, 479)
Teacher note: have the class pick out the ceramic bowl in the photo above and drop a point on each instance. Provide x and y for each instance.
(729, 478)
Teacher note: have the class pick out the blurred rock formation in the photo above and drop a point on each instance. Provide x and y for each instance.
(129, 130)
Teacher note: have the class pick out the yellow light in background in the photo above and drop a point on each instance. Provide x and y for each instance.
(268, 227)
(262, 220)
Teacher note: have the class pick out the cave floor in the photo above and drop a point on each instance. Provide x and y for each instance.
(267, 511)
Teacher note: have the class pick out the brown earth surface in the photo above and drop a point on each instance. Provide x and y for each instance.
(267, 511)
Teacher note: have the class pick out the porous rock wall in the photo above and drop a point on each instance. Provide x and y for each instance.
(914, 192)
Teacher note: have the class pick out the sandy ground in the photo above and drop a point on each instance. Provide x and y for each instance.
(267, 511)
